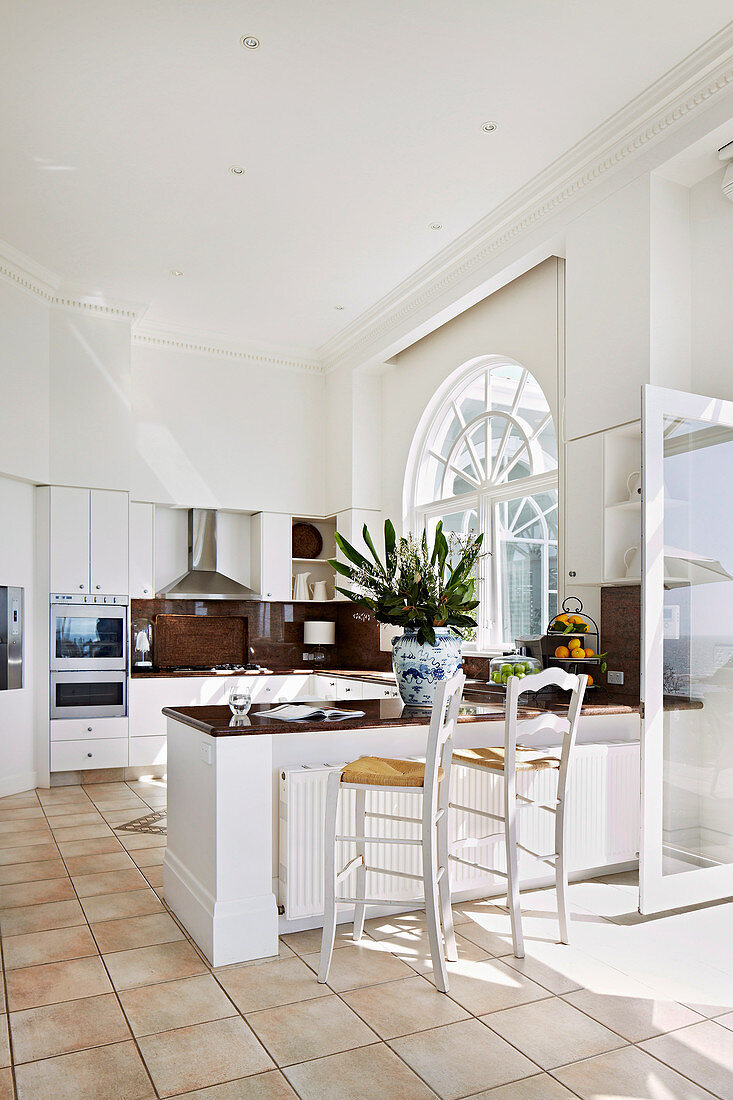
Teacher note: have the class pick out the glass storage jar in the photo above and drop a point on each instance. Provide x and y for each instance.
(512, 664)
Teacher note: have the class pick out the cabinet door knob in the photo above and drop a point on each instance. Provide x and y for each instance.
(89, 754)
(89, 729)
(97, 586)
(81, 586)
(572, 573)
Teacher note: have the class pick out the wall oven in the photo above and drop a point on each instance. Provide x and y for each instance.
(88, 633)
(88, 694)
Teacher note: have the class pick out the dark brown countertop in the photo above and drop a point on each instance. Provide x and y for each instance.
(164, 673)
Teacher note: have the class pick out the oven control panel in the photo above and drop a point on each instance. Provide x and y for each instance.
(76, 598)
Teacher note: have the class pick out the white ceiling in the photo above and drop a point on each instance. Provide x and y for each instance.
(358, 124)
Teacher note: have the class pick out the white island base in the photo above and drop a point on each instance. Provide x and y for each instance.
(221, 871)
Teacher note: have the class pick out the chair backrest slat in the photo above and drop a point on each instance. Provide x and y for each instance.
(567, 725)
(443, 721)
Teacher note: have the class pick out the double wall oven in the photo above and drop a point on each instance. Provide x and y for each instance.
(89, 656)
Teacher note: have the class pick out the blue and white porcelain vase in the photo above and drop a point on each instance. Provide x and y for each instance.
(420, 667)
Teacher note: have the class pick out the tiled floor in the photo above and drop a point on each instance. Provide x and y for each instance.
(104, 997)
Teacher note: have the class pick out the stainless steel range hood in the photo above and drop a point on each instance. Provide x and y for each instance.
(202, 580)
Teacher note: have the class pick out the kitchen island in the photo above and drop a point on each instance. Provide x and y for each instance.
(245, 809)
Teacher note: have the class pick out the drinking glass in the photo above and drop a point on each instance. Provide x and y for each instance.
(240, 700)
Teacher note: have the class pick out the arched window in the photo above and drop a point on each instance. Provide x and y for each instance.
(484, 458)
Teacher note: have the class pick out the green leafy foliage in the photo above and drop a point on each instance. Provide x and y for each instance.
(416, 588)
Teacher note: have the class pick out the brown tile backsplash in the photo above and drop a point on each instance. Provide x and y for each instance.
(276, 630)
(621, 635)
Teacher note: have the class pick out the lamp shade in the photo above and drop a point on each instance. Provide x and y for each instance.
(315, 633)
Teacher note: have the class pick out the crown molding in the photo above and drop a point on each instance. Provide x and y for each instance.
(157, 335)
(670, 101)
(27, 275)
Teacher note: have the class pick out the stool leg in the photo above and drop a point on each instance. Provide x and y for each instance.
(451, 950)
(561, 873)
(329, 876)
(430, 886)
(510, 835)
(361, 871)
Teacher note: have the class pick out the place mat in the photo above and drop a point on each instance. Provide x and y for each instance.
(147, 824)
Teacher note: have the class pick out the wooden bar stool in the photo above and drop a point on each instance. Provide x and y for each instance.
(431, 780)
(509, 760)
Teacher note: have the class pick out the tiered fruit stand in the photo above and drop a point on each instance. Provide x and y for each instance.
(563, 629)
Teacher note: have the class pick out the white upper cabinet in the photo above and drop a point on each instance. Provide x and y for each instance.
(89, 534)
(142, 558)
(271, 536)
(109, 538)
(69, 539)
(584, 511)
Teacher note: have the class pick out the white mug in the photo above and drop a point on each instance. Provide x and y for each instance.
(632, 561)
(633, 484)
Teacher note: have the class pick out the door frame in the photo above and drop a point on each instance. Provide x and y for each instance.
(659, 892)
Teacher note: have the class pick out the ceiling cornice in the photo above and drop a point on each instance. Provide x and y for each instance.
(668, 102)
(162, 336)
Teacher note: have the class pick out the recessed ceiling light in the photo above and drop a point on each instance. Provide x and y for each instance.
(176, 272)
(338, 307)
(435, 225)
(249, 41)
(237, 170)
(489, 127)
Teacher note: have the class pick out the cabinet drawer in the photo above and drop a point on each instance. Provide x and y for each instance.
(148, 750)
(67, 756)
(84, 729)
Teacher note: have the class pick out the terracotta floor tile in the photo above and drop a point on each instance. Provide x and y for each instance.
(135, 841)
(4, 1043)
(131, 932)
(262, 1086)
(82, 832)
(402, 1007)
(364, 963)
(39, 918)
(13, 825)
(34, 986)
(309, 1029)
(369, 1073)
(54, 945)
(108, 882)
(309, 942)
(72, 1025)
(149, 857)
(90, 847)
(552, 1032)
(32, 871)
(203, 1054)
(270, 984)
(36, 893)
(488, 985)
(102, 1073)
(69, 821)
(541, 1087)
(147, 965)
(628, 1072)
(94, 864)
(23, 840)
(134, 903)
(68, 809)
(21, 813)
(169, 1005)
(154, 875)
(27, 798)
(6, 1084)
(461, 1059)
(634, 1018)
(30, 852)
(703, 1052)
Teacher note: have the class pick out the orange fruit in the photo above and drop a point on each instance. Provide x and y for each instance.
(577, 619)
(562, 651)
(590, 680)
(574, 643)
(562, 619)
(578, 654)
(589, 652)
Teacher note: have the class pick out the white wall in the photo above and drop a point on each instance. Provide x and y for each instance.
(519, 321)
(607, 311)
(17, 749)
(225, 433)
(24, 384)
(711, 217)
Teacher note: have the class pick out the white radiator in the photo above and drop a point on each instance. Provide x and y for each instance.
(603, 826)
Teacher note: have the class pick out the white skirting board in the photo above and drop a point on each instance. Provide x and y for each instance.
(18, 784)
(603, 826)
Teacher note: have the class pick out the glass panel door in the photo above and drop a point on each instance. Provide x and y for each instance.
(686, 853)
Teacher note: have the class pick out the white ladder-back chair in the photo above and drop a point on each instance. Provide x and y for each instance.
(431, 780)
(515, 758)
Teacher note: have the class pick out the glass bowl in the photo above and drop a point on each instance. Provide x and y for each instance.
(512, 664)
